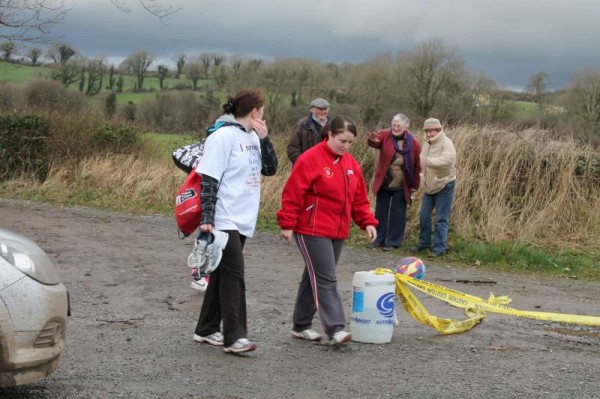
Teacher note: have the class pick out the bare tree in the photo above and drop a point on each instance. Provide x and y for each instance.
(95, 75)
(8, 49)
(585, 99)
(70, 67)
(373, 89)
(220, 76)
(206, 60)
(488, 106)
(179, 63)
(32, 20)
(119, 84)
(111, 78)
(537, 87)
(65, 52)
(53, 53)
(162, 72)
(70, 71)
(278, 82)
(235, 75)
(154, 7)
(217, 59)
(138, 64)
(334, 69)
(193, 71)
(244, 73)
(318, 79)
(34, 54)
(60, 53)
(431, 74)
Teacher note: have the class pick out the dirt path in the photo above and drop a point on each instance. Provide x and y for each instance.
(134, 315)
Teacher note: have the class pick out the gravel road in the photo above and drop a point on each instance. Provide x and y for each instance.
(133, 316)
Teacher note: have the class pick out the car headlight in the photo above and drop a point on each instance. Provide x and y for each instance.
(30, 259)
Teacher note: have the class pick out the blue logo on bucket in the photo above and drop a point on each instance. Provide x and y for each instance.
(385, 304)
(358, 301)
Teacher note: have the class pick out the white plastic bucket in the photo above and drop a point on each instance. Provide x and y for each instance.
(372, 319)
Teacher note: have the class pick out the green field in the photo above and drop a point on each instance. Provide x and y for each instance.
(20, 74)
(126, 97)
(163, 144)
(525, 109)
(152, 82)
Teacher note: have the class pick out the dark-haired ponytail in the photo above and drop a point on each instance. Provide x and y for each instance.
(243, 102)
(229, 107)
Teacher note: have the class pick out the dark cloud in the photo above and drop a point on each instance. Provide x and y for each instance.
(506, 40)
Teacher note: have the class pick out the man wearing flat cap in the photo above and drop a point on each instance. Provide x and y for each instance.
(307, 132)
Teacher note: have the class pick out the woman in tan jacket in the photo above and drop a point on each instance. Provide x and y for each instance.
(438, 162)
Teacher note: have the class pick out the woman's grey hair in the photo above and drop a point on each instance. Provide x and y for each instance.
(403, 119)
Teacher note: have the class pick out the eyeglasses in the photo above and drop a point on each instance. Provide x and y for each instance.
(432, 130)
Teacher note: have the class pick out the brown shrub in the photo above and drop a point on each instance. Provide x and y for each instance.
(180, 111)
(10, 97)
(44, 94)
(518, 185)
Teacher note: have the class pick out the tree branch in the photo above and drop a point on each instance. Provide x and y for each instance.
(31, 20)
(154, 8)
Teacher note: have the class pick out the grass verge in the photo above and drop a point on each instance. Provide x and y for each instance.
(520, 257)
(506, 256)
(145, 183)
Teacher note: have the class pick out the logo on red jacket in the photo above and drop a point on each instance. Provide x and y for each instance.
(328, 172)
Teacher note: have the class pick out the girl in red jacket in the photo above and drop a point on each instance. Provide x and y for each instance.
(325, 190)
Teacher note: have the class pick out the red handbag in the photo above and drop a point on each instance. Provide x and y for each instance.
(188, 209)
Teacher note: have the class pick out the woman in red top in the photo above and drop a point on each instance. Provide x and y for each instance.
(396, 179)
(325, 191)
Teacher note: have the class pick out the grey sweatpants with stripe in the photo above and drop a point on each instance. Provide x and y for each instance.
(318, 291)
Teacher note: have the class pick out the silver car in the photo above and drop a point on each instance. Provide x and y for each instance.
(33, 312)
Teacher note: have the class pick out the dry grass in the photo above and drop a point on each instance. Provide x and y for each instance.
(512, 185)
(132, 179)
(119, 182)
(526, 187)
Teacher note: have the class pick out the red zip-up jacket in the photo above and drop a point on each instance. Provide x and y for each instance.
(323, 193)
(386, 156)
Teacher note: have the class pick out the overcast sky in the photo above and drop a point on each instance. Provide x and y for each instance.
(507, 40)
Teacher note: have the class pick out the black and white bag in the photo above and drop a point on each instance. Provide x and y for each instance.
(187, 157)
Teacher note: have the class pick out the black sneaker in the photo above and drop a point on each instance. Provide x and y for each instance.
(417, 249)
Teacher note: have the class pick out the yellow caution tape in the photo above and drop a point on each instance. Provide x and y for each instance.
(475, 308)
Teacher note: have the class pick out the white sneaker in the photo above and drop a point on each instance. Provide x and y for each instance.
(198, 255)
(240, 346)
(200, 285)
(215, 339)
(214, 251)
(339, 338)
(308, 334)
